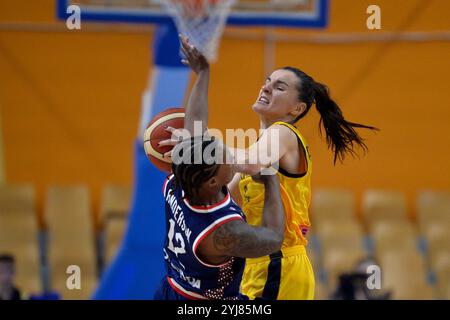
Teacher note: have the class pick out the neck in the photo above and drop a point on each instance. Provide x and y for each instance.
(207, 197)
(265, 122)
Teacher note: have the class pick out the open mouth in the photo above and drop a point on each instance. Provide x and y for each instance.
(263, 100)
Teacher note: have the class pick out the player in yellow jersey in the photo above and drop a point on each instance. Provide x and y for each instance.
(287, 274)
(286, 97)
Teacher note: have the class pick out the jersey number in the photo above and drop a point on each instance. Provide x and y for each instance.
(178, 238)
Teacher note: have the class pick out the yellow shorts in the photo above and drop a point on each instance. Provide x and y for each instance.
(285, 275)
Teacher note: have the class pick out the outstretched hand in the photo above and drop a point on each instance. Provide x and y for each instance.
(193, 58)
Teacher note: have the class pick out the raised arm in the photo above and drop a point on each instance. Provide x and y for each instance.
(267, 151)
(197, 106)
(239, 239)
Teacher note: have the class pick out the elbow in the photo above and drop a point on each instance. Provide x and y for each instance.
(278, 242)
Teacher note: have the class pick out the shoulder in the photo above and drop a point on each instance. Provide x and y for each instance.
(226, 235)
(285, 128)
(218, 236)
(222, 222)
(285, 132)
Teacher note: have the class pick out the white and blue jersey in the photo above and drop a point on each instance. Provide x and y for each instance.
(187, 225)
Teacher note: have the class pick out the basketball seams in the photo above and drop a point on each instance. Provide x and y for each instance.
(152, 126)
(155, 155)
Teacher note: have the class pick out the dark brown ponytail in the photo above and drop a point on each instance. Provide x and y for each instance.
(341, 135)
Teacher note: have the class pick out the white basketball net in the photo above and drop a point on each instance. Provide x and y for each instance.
(201, 21)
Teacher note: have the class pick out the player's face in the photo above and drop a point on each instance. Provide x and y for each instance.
(278, 97)
(224, 175)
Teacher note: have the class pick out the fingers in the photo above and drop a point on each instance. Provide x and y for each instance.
(177, 134)
(189, 51)
(192, 57)
(168, 142)
(185, 46)
(170, 129)
(173, 140)
(183, 38)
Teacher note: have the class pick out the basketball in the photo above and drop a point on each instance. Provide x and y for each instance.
(156, 132)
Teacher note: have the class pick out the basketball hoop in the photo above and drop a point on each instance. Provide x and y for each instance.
(201, 21)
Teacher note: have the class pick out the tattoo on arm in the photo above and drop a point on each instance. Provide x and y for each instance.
(238, 239)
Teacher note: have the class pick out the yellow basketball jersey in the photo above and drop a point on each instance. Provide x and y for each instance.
(295, 195)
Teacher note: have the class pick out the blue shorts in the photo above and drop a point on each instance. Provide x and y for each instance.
(166, 292)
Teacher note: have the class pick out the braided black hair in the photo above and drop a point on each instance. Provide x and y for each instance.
(195, 160)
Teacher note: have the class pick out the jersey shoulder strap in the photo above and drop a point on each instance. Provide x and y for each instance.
(302, 144)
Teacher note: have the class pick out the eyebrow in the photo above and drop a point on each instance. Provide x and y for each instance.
(278, 81)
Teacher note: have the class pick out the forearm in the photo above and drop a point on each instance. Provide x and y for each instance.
(238, 239)
(243, 163)
(197, 107)
(266, 151)
(273, 212)
(262, 243)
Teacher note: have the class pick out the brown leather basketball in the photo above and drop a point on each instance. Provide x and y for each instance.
(155, 132)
